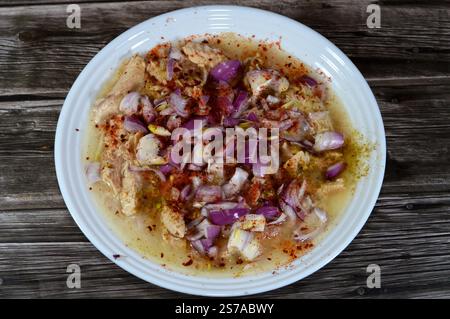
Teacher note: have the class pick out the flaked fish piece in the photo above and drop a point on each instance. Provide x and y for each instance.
(299, 161)
(105, 108)
(202, 54)
(266, 81)
(331, 187)
(173, 221)
(129, 194)
(132, 78)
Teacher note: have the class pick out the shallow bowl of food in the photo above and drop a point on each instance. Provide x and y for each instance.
(243, 229)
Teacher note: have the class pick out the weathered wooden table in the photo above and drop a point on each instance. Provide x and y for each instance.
(406, 62)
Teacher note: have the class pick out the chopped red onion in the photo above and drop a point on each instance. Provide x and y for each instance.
(294, 193)
(169, 68)
(167, 111)
(197, 244)
(236, 182)
(328, 141)
(213, 252)
(133, 124)
(279, 220)
(190, 124)
(321, 214)
(240, 103)
(193, 167)
(270, 212)
(227, 216)
(272, 100)
(204, 100)
(129, 104)
(195, 222)
(300, 236)
(208, 193)
(185, 192)
(225, 71)
(158, 102)
(252, 117)
(165, 169)
(334, 170)
(148, 112)
(206, 243)
(93, 172)
(286, 124)
(309, 81)
(230, 122)
(225, 104)
(178, 103)
(175, 53)
(288, 210)
(212, 231)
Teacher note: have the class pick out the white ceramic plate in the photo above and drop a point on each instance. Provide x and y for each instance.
(297, 39)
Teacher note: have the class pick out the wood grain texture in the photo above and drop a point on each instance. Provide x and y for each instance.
(407, 64)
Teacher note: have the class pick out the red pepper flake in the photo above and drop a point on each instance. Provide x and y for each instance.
(188, 263)
(239, 261)
(222, 265)
(269, 259)
(116, 256)
(150, 228)
(77, 130)
(90, 188)
(162, 255)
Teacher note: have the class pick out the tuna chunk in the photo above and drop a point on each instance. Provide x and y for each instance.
(132, 78)
(129, 194)
(266, 81)
(173, 221)
(203, 55)
(106, 108)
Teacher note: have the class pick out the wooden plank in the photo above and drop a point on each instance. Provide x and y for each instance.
(413, 263)
(30, 226)
(38, 54)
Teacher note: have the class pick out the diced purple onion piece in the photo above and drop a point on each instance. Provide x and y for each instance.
(328, 141)
(169, 68)
(230, 122)
(212, 231)
(240, 103)
(334, 170)
(252, 117)
(198, 245)
(167, 111)
(191, 123)
(225, 71)
(208, 193)
(132, 124)
(178, 103)
(270, 212)
(129, 104)
(93, 172)
(309, 81)
(175, 53)
(185, 192)
(227, 216)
